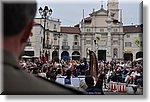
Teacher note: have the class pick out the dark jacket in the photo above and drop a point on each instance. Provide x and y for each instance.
(17, 81)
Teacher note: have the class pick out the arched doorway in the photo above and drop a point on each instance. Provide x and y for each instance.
(139, 55)
(64, 55)
(55, 56)
(75, 55)
(128, 56)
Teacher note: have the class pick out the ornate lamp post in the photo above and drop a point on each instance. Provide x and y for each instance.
(45, 13)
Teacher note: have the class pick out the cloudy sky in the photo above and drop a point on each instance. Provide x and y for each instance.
(70, 12)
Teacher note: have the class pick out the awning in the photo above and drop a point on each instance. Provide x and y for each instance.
(66, 58)
(128, 52)
(75, 55)
(138, 59)
(26, 56)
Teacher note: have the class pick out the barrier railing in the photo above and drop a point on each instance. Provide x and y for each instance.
(111, 86)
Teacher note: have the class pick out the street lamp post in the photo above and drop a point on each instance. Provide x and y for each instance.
(45, 13)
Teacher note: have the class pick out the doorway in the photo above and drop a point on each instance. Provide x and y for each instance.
(102, 55)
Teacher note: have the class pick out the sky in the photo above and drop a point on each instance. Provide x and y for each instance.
(70, 12)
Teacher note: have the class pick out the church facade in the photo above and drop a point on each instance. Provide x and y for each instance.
(102, 32)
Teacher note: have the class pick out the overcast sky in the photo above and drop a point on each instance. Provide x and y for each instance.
(70, 12)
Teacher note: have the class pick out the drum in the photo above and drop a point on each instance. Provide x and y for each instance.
(113, 86)
(122, 87)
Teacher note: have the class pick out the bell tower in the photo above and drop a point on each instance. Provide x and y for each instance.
(113, 8)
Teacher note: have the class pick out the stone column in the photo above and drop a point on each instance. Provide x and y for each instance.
(109, 47)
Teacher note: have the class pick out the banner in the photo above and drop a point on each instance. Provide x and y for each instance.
(97, 38)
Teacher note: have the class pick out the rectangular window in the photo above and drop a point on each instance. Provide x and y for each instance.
(115, 30)
(54, 26)
(65, 36)
(115, 42)
(64, 43)
(75, 37)
(88, 30)
(88, 41)
(140, 35)
(41, 39)
(141, 43)
(128, 36)
(128, 44)
(76, 43)
(101, 30)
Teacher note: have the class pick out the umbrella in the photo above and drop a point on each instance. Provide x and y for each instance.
(138, 59)
(66, 58)
(26, 57)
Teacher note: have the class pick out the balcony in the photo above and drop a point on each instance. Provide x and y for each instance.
(48, 46)
(65, 47)
(75, 47)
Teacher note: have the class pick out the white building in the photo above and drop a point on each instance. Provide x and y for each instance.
(70, 43)
(102, 32)
(60, 42)
(133, 42)
(34, 44)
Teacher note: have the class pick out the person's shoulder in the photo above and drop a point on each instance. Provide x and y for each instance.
(20, 82)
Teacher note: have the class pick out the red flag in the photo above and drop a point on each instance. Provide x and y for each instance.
(45, 59)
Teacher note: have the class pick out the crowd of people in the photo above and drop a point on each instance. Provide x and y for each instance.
(60, 68)
(129, 72)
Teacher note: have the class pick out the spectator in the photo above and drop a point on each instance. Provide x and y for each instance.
(91, 89)
(99, 83)
(59, 73)
(18, 21)
(68, 78)
(43, 73)
(53, 77)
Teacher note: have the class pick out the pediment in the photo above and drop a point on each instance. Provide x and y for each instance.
(99, 12)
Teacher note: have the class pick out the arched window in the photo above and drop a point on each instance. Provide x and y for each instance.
(139, 54)
(64, 55)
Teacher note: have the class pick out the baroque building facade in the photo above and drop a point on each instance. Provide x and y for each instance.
(102, 32)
